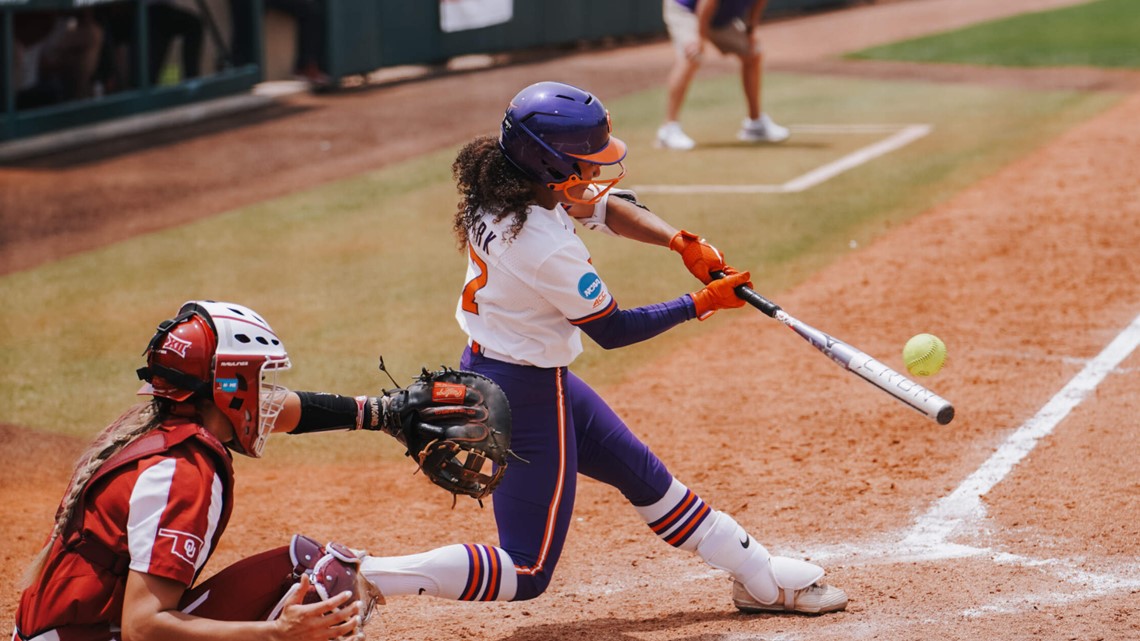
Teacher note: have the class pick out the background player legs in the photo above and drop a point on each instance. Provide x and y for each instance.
(680, 77)
(670, 135)
(750, 67)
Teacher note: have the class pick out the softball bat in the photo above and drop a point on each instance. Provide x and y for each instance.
(855, 361)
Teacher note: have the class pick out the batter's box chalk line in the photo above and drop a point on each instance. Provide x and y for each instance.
(900, 136)
(962, 514)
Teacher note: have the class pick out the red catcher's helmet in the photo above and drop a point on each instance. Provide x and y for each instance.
(226, 351)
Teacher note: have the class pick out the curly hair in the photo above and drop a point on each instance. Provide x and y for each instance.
(489, 183)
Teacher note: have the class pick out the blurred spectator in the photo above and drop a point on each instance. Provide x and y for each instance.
(309, 16)
(55, 56)
(167, 22)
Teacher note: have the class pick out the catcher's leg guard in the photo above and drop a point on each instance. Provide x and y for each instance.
(460, 572)
(332, 568)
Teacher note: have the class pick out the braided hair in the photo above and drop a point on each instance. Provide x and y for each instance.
(134, 423)
(489, 183)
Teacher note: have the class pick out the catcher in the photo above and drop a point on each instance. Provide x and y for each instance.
(149, 500)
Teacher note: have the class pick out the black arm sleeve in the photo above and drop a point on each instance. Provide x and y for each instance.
(322, 412)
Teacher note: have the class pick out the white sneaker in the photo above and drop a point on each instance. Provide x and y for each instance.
(762, 130)
(817, 598)
(670, 136)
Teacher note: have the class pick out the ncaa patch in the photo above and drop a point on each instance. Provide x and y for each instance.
(227, 384)
(589, 286)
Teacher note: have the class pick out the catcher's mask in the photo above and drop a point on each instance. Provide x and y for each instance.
(550, 129)
(227, 351)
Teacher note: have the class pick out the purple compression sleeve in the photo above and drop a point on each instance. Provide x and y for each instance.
(628, 326)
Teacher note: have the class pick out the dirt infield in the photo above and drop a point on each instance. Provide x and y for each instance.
(1029, 275)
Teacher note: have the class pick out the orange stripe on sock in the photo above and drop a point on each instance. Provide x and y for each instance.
(692, 523)
(494, 568)
(672, 517)
(473, 582)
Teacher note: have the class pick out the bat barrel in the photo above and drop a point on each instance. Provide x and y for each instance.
(899, 386)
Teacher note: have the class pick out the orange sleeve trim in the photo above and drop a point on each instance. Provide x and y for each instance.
(609, 309)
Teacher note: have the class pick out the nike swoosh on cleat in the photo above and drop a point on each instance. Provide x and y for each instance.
(746, 542)
(422, 590)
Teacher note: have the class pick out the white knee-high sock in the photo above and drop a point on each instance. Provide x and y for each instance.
(684, 521)
(460, 572)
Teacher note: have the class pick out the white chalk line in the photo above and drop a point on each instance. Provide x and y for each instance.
(962, 513)
(964, 503)
(903, 135)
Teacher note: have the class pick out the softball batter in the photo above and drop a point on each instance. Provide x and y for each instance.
(529, 293)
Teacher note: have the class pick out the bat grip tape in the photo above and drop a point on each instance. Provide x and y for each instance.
(750, 296)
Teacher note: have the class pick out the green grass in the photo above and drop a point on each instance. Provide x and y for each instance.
(367, 266)
(1105, 33)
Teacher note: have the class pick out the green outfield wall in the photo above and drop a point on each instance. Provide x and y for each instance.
(362, 36)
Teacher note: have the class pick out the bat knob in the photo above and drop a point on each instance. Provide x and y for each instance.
(945, 415)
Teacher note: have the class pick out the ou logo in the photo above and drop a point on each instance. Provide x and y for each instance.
(184, 545)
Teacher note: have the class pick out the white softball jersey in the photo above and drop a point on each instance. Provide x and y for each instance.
(516, 312)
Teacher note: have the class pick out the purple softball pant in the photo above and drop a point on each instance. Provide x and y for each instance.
(560, 427)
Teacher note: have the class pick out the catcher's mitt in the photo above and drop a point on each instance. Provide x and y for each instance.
(455, 424)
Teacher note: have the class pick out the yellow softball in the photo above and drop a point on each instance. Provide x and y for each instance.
(924, 354)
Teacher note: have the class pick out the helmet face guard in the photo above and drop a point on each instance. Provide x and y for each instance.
(592, 190)
(550, 129)
(237, 363)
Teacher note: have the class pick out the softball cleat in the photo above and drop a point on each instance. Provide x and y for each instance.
(817, 598)
(762, 130)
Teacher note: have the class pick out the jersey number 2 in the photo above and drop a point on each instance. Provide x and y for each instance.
(475, 284)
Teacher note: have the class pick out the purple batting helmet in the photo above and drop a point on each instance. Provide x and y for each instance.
(550, 126)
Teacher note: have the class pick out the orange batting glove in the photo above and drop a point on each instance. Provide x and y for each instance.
(720, 294)
(700, 257)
